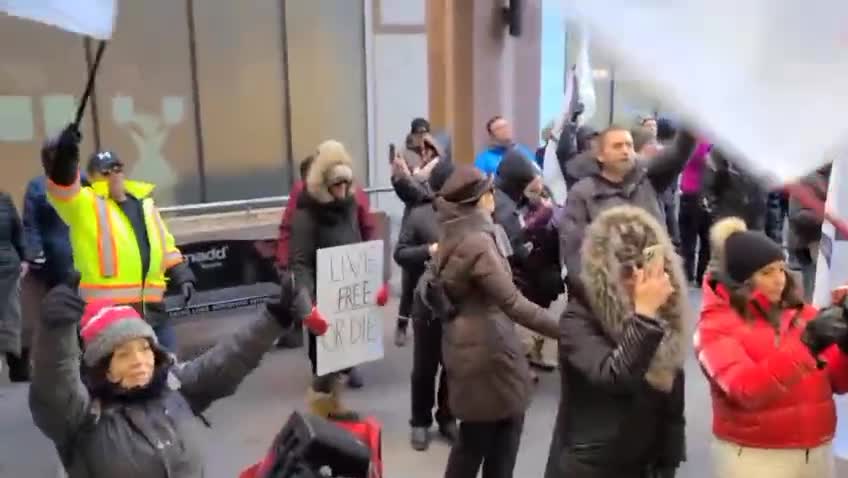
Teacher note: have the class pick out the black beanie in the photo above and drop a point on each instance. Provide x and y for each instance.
(747, 252)
(440, 173)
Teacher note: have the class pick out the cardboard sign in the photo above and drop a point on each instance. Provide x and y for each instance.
(347, 281)
(765, 81)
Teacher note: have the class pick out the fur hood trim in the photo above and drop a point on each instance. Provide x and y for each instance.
(614, 242)
(331, 161)
(719, 233)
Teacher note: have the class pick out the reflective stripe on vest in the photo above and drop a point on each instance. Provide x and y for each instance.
(122, 294)
(169, 258)
(107, 252)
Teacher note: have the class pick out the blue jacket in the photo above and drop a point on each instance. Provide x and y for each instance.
(489, 159)
(45, 233)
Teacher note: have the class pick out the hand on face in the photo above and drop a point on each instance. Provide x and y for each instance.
(651, 289)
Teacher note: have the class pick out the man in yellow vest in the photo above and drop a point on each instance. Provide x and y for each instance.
(121, 246)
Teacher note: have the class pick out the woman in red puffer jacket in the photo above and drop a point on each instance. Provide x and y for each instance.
(758, 343)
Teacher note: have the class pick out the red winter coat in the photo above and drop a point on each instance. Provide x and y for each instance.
(766, 390)
(366, 222)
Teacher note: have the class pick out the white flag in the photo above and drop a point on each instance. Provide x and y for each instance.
(579, 88)
(766, 81)
(94, 18)
(832, 272)
(832, 260)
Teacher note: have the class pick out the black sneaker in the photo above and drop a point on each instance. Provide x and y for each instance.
(420, 438)
(19, 367)
(400, 336)
(449, 430)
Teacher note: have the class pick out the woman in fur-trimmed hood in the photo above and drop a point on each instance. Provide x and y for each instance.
(622, 347)
(326, 216)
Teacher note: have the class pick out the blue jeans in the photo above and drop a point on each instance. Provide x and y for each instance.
(167, 336)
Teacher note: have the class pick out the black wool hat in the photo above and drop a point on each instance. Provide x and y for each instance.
(440, 173)
(747, 252)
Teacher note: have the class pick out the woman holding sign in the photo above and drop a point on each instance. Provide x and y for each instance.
(326, 216)
(489, 381)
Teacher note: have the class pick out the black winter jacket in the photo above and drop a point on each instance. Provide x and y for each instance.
(730, 191)
(621, 411)
(320, 221)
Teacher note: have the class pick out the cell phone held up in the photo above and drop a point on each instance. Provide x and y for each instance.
(653, 256)
(392, 152)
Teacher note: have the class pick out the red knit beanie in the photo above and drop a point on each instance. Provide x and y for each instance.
(104, 326)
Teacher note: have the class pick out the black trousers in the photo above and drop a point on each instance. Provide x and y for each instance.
(408, 281)
(426, 362)
(695, 225)
(494, 445)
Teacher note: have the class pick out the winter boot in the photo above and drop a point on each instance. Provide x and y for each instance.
(401, 331)
(19, 366)
(337, 410)
(537, 358)
(320, 403)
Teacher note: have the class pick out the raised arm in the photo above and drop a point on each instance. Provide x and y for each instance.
(218, 372)
(58, 400)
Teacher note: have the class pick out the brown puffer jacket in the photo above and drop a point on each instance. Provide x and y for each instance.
(488, 375)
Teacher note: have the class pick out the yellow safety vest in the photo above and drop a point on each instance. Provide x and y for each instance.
(104, 245)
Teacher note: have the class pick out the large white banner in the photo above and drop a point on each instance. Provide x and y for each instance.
(832, 261)
(95, 18)
(832, 272)
(764, 78)
(579, 88)
(347, 281)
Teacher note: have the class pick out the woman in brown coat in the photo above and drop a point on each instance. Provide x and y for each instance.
(488, 375)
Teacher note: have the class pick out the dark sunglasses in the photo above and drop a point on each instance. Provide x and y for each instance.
(114, 169)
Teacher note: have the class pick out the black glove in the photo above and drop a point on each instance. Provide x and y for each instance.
(187, 289)
(60, 156)
(293, 305)
(578, 110)
(62, 305)
(827, 328)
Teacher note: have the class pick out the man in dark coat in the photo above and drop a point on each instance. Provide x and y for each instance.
(517, 185)
(620, 181)
(411, 169)
(417, 243)
(622, 343)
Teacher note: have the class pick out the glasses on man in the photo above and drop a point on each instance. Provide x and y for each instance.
(114, 169)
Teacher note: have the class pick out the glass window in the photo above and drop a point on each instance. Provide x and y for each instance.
(42, 72)
(144, 99)
(326, 58)
(242, 98)
(633, 99)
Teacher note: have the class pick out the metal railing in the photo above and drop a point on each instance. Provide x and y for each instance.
(243, 204)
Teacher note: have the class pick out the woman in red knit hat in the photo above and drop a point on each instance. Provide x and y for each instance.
(773, 362)
(129, 410)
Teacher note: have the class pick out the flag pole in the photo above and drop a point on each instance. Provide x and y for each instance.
(89, 86)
